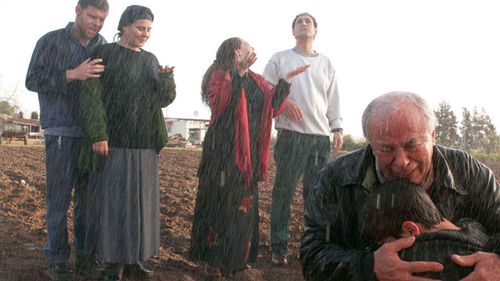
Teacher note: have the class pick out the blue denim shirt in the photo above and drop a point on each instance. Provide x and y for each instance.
(54, 54)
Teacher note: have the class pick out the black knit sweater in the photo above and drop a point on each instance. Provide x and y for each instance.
(440, 245)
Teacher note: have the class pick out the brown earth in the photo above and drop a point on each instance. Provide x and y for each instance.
(23, 231)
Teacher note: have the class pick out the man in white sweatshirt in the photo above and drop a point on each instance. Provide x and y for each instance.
(304, 129)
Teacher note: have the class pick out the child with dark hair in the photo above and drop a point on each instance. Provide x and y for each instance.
(398, 209)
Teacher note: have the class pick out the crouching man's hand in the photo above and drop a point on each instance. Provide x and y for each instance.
(389, 267)
(486, 266)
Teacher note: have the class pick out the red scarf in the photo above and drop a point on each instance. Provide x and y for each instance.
(219, 96)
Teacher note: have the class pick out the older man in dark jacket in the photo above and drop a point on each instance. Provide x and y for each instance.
(400, 128)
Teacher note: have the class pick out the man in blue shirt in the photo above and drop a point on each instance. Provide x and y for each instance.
(58, 64)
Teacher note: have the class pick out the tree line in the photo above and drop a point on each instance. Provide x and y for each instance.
(476, 133)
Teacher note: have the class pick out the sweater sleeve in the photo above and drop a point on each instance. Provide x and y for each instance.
(279, 98)
(167, 89)
(333, 112)
(92, 111)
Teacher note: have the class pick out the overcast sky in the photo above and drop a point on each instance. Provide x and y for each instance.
(441, 49)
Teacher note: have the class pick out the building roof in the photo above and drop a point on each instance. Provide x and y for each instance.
(185, 119)
(20, 121)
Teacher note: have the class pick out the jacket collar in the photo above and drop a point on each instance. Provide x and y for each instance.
(443, 175)
(365, 174)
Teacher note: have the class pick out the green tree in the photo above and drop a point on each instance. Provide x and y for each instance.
(446, 130)
(493, 143)
(351, 143)
(34, 115)
(478, 132)
(7, 108)
(466, 130)
(484, 132)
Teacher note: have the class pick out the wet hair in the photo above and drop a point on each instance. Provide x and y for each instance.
(393, 203)
(304, 14)
(98, 4)
(224, 60)
(389, 102)
(131, 14)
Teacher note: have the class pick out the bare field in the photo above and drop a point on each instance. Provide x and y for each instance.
(23, 232)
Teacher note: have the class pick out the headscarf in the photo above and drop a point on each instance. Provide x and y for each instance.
(133, 13)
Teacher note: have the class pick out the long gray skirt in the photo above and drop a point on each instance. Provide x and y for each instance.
(126, 206)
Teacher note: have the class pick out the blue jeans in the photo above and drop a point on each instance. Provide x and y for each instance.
(62, 177)
(295, 155)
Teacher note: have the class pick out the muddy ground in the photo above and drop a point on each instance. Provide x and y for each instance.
(23, 231)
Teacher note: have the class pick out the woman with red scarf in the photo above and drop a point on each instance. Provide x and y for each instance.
(235, 157)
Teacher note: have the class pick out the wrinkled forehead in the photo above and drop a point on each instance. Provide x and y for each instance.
(405, 120)
(393, 111)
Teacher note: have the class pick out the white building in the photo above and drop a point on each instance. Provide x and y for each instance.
(192, 129)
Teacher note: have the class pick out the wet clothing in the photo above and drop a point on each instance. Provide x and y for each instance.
(62, 178)
(128, 114)
(295, 155)
(440, 245)
(332, 248)
(302, 148)
(225, 227)
(314, 91)
(126, 209)
(54, 54)
(123, 107)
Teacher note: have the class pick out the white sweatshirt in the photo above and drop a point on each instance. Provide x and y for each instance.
(314, 91)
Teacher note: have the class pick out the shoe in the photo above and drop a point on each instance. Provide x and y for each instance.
(60, 272)
(213, 273)
(113, 272)
(137, 271)
(279, 260)
(239, 269)
(88, 267)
